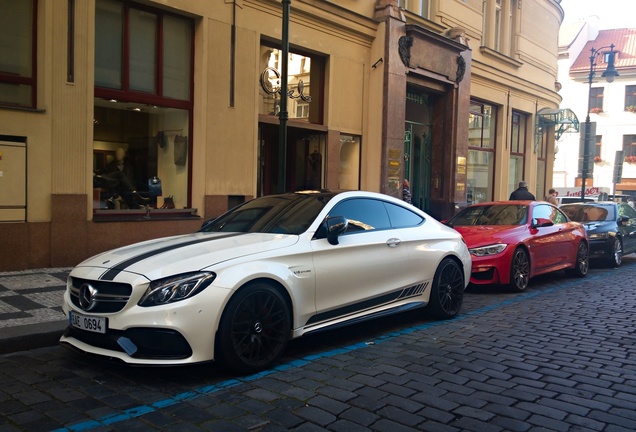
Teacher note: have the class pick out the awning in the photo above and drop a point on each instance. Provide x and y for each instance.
(563, 120)
(626, 184)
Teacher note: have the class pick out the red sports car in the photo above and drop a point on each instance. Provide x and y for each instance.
(513, 241)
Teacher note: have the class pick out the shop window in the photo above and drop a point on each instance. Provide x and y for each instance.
(305, 82)
(149, 146)
(480, 167)
(18, 49)
(142, 109)
(517, 150)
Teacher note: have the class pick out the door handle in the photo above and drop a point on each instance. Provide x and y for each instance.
(393, 242)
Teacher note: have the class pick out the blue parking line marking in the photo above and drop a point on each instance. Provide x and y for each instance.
(207, 390)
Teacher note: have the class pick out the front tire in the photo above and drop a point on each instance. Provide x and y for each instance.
(616, 256)
(447, 292)
(254, 329)
(519, 270)
(582, 264)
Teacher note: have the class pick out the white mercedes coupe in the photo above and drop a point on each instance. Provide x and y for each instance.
(270, 270)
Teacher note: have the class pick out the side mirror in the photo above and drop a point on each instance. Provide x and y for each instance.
(541, 222)
(336, 225)
(623, 220)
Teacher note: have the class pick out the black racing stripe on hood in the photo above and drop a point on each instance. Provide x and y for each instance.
(111, 273)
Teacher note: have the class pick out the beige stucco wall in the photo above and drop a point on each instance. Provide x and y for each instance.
(224, 138)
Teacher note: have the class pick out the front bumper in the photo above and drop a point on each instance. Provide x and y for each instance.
(601, 249)
(493, 269)
(178, 333)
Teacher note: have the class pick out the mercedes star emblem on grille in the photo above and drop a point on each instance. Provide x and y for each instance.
(87, 294)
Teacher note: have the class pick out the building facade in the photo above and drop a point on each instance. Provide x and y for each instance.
(612, 107)
(127, 120)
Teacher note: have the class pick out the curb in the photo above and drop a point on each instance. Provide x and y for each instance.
(31, 336)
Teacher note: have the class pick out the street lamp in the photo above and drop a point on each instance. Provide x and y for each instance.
(283, 115)
(609, 75)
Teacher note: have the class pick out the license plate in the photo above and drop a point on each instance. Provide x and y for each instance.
(88, 323)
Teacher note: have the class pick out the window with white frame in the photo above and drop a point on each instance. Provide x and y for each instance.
(630, 98)
(517, 150)
(419, 7)
(499, 22)
(480, 167)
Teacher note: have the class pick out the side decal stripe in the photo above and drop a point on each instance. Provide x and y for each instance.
(111, 273)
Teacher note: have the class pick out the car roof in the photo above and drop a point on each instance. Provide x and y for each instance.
(591, 203)
(345, 193)
(514, 202)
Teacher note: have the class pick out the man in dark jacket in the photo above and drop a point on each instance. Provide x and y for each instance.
(522, 193)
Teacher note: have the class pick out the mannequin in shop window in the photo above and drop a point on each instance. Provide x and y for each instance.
(118, 177)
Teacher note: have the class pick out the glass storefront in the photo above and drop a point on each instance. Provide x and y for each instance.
(140, 156)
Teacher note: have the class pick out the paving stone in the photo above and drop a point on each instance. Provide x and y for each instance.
(359, 416)
(543, 362)
(315, 415)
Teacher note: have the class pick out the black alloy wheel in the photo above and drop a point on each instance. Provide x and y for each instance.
(254, 329)
(519, 270)
(616, 256)
(447, 293)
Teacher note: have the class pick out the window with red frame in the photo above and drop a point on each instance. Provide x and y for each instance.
(143, 106)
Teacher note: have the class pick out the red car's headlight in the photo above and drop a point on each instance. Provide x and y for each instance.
(488, 250)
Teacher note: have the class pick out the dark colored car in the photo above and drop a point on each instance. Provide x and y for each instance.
(611, 228)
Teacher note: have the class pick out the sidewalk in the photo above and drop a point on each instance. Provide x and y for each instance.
(31, 308)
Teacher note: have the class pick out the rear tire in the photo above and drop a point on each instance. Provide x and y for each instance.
(447, 292)
(254, 329)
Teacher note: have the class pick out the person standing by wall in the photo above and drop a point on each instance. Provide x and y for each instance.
(406, 191)
(551, 197)
(522, 193)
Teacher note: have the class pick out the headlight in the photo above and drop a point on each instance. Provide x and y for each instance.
(488, 250)
(176, 288)
(599, 236)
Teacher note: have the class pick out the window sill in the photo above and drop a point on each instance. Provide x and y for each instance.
(144, 215)
(496, 55)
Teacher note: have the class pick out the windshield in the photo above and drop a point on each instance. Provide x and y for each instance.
(499, 214)
(589, 213)
(276, 214)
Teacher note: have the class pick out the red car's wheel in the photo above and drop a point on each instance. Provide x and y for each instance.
(519, 270)
(582, 264)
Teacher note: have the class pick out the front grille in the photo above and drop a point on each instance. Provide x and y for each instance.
(110, 297)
